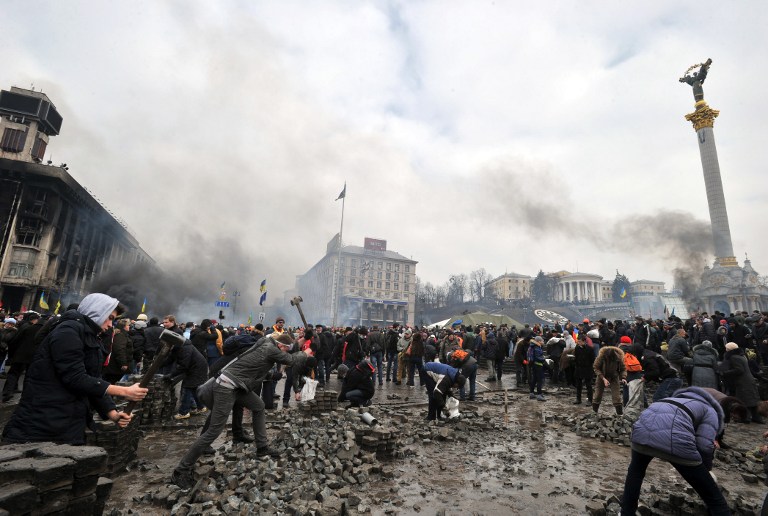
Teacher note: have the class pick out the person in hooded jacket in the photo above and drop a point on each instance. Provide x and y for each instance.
(658, 370)
(120, 357)
(705, 366)
(63, 383)
(610, 372)
(684, 431)
(358, 387)
(203, 337)
(465, 362)
(735, 370)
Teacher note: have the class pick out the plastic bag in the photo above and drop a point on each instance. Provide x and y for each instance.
(308, 391)
(452, 407)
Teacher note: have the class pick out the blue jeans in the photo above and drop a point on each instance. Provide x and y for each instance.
(667, 387)
(392, 363)
(376, 361)
(472, 379)
(189, 400)
(697, 476)
(356, 397)
(321, 371)
(288, 385)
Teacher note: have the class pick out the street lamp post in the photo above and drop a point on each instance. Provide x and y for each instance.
(235, 295)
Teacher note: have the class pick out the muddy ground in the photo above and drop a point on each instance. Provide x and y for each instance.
(527, 461)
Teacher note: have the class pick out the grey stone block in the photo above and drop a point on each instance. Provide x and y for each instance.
(18, 498)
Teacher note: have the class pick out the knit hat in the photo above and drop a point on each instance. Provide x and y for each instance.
(625, 340)
(731, 346)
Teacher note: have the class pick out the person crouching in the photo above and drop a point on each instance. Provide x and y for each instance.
(358, 387)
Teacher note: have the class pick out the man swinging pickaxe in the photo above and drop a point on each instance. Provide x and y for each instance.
(296, 301)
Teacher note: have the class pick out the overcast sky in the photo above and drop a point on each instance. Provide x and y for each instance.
(514, 136)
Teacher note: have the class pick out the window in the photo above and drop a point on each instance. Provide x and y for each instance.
(353, 272)
(407, 268)
(397, 267)
(389, 275)
(389, 266)
(397, 276)
(397, 286)
(378, 284)
(407, 288)
(370, 284)
(386, 286)
(22, 263)
(354, 262)
(13, 140)
(396, 296)
(378, 275)
(361, 283)
(351, 282)
(38, 149)
(380, 265)
(370, 275)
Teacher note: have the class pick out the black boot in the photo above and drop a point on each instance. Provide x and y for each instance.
(619, 408)
(577, 402)
(595, 407)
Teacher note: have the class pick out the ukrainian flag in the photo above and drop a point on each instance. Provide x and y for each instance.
(623, 293)
(43, 304)
(263, 298)
(263, 285)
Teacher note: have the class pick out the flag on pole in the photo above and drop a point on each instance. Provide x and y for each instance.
(250, 318)
(144, 306)
(42, 302)
(263, 298)
(343, 193)
(222, 284)
(263, 286)
(623, 292)
(666, 311)
(673, 310)
(58, 305)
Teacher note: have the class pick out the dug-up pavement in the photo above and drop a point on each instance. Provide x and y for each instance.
(506, 454)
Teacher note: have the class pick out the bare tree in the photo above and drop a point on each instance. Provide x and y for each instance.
(478, 280)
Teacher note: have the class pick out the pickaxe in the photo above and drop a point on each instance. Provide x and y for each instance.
(296, 301)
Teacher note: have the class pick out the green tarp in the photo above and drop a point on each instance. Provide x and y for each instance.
(476, 318)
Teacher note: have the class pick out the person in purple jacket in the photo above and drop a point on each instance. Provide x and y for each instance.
(439, 379)
(683, 430)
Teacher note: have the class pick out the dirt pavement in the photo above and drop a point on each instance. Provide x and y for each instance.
(530, 461)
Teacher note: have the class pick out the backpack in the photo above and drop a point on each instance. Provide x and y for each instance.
(632, 363)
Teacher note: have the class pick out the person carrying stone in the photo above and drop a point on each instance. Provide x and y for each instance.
(439, 380)
(610, 373)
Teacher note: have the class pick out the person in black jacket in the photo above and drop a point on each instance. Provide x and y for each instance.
(202, 336)
(324, 354)
(390, 343)
(151, 342)
(191, 369)
(20, 352)
(63, 383)
(358, 387)
(376, 350)
(351, 348)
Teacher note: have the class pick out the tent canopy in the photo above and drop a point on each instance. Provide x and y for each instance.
(476, 318)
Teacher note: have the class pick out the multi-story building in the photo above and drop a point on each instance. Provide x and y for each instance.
(646, 288)
(55, 236)
(510, 286)
(374, 286)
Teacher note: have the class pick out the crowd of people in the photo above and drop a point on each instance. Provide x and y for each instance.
(707, 368)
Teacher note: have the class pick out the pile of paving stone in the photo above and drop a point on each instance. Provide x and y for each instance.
(613, 428)
(120, 444)
(44, 478)
(159, 406)
(328, 464)
(324, 402)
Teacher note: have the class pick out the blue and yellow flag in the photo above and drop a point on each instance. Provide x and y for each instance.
(263, 286)
(263, 298)
(623, 292)
(42, 302)
(144, 306)
(250, 318)
(58, 305)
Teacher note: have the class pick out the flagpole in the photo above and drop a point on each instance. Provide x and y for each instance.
(338, 260)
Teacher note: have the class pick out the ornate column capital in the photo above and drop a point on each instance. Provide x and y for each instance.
(704, 116)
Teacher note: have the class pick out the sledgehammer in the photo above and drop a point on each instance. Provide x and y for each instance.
(168, 339)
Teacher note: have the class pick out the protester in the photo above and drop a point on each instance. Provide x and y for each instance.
(682, 430)
(63, 383)
(358, 387)
(610, 372)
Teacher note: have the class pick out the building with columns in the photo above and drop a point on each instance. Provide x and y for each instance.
(55, 237)
(578, 286)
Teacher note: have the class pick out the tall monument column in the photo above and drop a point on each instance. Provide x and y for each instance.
(703, 120)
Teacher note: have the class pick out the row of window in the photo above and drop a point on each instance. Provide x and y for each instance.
(389, 275)
(388, 295)
(368, 265)
(379, 284)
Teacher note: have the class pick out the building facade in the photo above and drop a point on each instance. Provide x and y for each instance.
(56, 237)
(374, 286)
(578, 287)
(646, 288)
(511, 286)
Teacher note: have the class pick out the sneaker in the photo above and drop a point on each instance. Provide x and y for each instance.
(367, 403)
(286, 405)
(541, 397)
(183, 479)
(199, 411)
(532, 396)
(181, 416)
(266, 451)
